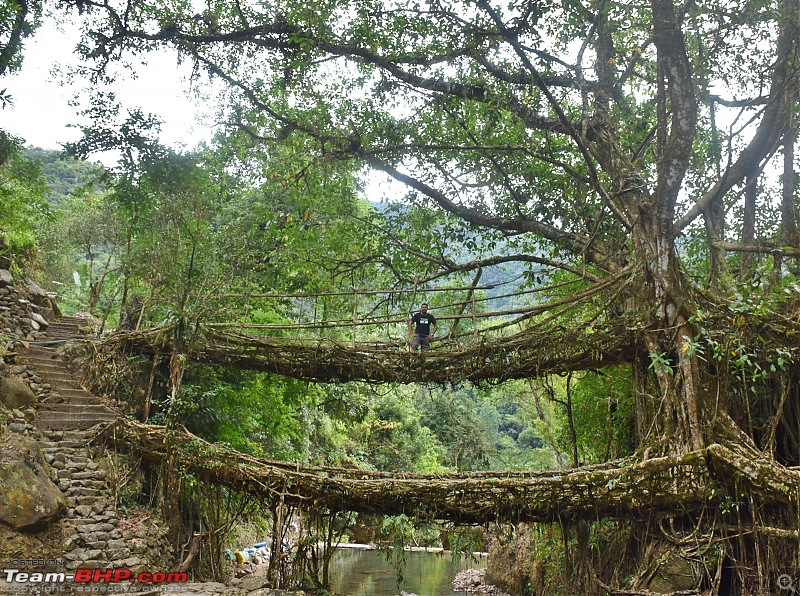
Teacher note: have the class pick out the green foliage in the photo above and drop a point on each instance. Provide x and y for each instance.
(86, 238)
(395, 532)
(537, 415)
(18, 21)
(604, 410)
(67, 175)
(23, 197)
(251, 412)
(393, 438)
(303, 226)
(454, 417)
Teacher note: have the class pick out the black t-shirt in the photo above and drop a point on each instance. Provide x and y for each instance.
(423, 323)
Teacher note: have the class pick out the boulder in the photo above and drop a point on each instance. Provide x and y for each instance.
(6, 279)
(36, 293)
(675, 575)
(28, 498)
(15, 393)
(253, 582)
(40, 320)
(49, 313)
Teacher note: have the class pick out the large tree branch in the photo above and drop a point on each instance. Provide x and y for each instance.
(592, 251)
(512, 39)
(10, 50)
(770, 129)
(671, 46)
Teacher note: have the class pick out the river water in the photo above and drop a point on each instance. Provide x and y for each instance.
(359, 572)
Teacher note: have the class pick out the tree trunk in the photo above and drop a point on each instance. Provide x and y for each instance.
(788, 211)
(749, 224)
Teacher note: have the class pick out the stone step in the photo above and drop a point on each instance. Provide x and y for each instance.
(87, 501)
(66, 446)
(46, 351)
(42, 364)
(80, 459)
(69, 435)
(76, 396)
(71, 322)
(79, 491)
(53, 364)
(95, 484)
(63, 333)
(75, 391)
(68, 387)
(71, 319)
(47, 375)
(94, 476)
(73, 408)
(57, 376)
(87, 410)
(35, 355)
(65, 382)
(61, 421)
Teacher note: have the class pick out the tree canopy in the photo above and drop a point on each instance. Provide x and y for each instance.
(636, 159)
(609, 141)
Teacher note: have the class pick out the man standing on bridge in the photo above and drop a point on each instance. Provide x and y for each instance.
(423, 334)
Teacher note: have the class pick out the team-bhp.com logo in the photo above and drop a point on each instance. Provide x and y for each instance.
(95, 576)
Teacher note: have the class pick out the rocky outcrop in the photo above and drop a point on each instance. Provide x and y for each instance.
(28, 497)
(16, 393)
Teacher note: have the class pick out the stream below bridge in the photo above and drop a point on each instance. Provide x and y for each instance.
(365, 572)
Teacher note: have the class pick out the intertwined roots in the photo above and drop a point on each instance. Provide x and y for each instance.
(677, 483)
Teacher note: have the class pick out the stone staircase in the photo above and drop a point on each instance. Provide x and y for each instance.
(65, 418)
(70, 406)
(93, 538)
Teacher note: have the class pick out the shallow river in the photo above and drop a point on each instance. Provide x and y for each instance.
(356, 572)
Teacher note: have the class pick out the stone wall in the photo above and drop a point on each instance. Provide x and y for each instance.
(25, 308)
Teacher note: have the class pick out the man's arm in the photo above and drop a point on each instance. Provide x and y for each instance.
(411, 326)
(435, 327)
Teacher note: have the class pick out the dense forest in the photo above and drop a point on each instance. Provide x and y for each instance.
(609, 184)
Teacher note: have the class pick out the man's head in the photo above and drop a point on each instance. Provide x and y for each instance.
(423, 307)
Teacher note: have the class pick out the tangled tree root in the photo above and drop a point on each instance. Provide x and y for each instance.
(675, 484)
(533, 352)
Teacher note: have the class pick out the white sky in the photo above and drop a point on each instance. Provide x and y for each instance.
(41, 113)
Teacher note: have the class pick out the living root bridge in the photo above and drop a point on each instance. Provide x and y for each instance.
(527, 354)
(672, 484)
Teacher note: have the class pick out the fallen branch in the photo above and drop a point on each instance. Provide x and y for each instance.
(194, 548)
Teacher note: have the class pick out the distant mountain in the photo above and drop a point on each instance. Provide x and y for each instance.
(503, 279)
(64, 173)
